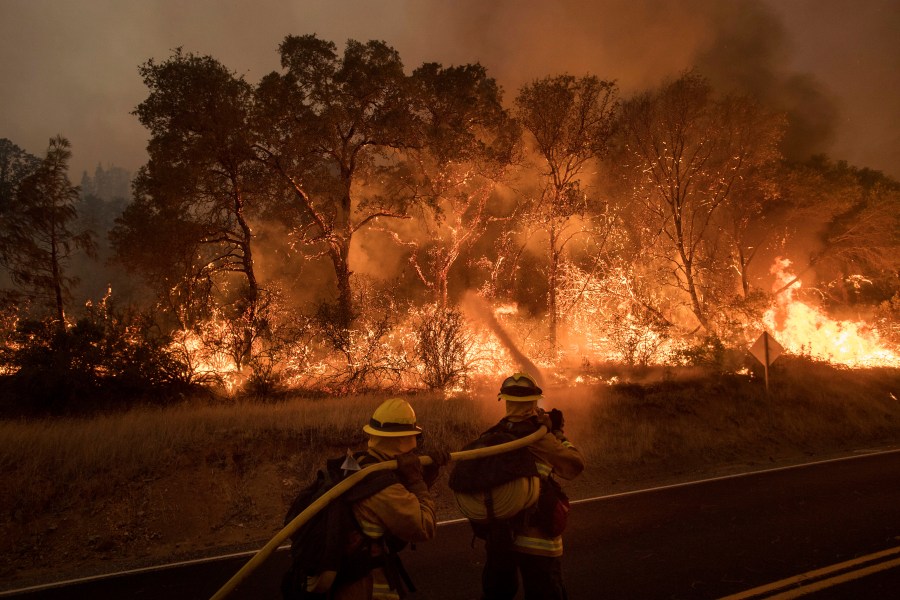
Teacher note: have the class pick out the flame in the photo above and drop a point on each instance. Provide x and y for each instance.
(603, 323)
(205, 355)
(806, 330)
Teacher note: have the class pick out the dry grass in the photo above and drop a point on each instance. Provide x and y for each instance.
(45, 461)
(671, 426)
(812, 407)
(200, 476)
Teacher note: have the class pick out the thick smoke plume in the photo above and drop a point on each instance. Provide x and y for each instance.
(477, 308)
(742, 46)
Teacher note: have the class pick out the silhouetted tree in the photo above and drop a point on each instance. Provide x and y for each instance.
(469, 144)
(40, 238)
(200, 177)
(15, 165)
(107, 184)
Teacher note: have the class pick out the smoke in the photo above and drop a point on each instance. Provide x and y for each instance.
(818, 59)
(478, 308)
(748, 54)
(522, 40)
(742, 46)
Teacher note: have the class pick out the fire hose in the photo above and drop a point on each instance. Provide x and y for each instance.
(263, 553)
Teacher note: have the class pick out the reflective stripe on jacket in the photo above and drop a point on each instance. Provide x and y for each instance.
(405, 513)
(554, 454)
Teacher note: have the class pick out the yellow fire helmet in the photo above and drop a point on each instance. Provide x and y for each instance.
(520, 387)
(394, 418)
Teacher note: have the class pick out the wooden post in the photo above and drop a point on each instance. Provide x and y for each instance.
(766, 362)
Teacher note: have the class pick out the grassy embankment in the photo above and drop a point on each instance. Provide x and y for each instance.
(151, 485)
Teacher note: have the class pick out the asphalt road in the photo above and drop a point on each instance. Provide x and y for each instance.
(703, 540)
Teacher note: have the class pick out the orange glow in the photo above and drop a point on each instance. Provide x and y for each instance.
(600, 326)
(203, 351)
(805, 330)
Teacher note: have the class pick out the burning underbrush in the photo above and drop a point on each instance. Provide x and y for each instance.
(152, 484)
(613, 319)
(414, 348)
(613, 327)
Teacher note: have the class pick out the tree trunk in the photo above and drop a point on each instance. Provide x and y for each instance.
(252, 284)
(745, 282)
(692, 292)
(552, 283)
(343, 231)
(339, 257)
(687, 262)
(57, 282)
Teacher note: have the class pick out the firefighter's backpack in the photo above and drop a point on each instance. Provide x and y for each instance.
(501, 486)
(330, 548)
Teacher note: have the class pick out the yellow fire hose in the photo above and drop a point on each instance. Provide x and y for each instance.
(263, 553)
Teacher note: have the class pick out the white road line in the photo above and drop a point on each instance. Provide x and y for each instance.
(812, 581)
(150, 569)
(734, 476)
(250, 553)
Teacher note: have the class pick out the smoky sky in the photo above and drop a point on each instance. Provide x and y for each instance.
(70, 68)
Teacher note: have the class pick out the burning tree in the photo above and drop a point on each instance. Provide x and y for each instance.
(685, 150)
(570, 121)
(468, 145)
(844, 223)
(329, 127)
(194, 195)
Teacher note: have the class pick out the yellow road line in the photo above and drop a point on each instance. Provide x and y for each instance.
(818, 573)
(832, 581)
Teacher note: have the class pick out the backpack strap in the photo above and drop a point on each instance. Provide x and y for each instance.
(371, 483)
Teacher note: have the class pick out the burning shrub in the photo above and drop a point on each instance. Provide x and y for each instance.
(736, 321)
(637, 337)
(10, 309)
(887, 320)
(364, 354)
(106, 357)
(204, 353)
(442, 346)
(263, 340)
(614, 312)
(280, 347)
(708, 352)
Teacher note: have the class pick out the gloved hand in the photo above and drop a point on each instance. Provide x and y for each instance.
(557, 420)
(409, 469)
(543, 418)
(431, 472)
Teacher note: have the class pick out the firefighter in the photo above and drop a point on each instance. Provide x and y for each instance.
(532, 546)
(400, 513)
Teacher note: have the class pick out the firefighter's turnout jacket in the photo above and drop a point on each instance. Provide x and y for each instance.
(405, 513)
(554, 454)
